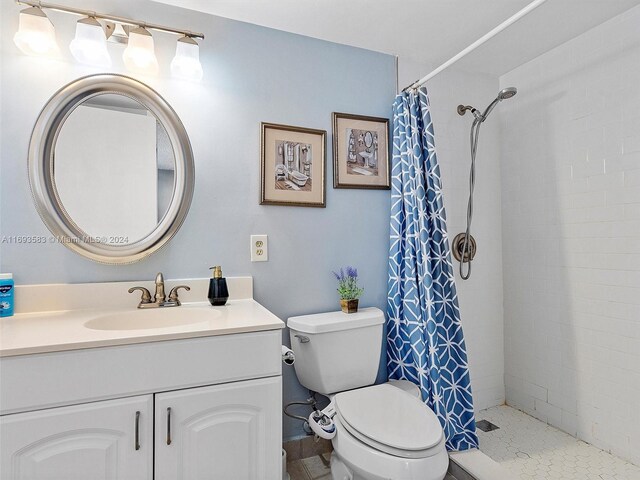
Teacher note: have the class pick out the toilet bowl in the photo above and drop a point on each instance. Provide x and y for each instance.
(382, 432)
(385, 433)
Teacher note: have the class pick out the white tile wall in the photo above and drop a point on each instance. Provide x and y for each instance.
(571, 236)
(480, 297)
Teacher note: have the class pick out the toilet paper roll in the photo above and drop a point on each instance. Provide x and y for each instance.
(288, 356)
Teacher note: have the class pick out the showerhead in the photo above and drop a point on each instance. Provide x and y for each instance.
(504, 94)
(507, 93)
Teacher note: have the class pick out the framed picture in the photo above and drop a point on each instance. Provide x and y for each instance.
(293, 166)
(360, 152)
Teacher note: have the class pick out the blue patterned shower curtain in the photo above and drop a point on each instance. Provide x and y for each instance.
(425, 343)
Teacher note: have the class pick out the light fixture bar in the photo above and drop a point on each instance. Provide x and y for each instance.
(113, 18)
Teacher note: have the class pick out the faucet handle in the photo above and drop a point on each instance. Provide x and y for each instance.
(173, 294)
(146, 295)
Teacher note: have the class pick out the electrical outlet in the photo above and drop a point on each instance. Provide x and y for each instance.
(259, 248)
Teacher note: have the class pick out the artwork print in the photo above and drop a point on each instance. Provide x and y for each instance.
(292, 166)
(360, 152)
(293, 169)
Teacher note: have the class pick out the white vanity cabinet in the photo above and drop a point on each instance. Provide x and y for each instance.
(222, 432)
(219, 432)
(97, 441)
(72, 415)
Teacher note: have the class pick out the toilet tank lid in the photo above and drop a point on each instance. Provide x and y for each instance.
(336, 321)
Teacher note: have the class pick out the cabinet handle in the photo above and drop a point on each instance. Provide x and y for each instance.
(169, 426)
(137, 442)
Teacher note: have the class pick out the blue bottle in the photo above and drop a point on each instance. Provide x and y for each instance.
(6, 294)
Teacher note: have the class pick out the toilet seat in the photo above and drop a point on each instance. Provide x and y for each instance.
(364, 462)
(390, 420)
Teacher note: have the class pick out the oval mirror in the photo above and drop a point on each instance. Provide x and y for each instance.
(368, 139)
(111, 168)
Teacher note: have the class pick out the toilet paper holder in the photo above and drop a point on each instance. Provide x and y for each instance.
(288, 356)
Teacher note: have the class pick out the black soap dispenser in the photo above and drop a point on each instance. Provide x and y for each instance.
(218, 292)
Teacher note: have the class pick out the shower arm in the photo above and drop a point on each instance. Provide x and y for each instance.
(462, 109)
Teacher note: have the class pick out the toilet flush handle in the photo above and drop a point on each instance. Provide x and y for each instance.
(302, 338)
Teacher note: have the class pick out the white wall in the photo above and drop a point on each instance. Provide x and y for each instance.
(480, 297)
(571, 236)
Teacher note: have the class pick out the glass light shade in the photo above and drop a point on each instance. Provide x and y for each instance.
(35, 35)
(139, 56)
(186, 63)
(90, 44)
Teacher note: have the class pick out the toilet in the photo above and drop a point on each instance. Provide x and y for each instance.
(383, 431)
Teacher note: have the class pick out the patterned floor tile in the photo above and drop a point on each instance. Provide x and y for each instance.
(316, 467)
(296, 470)
(533, 450)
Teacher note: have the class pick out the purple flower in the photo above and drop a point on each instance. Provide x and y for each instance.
(348, 283)
(339, 276)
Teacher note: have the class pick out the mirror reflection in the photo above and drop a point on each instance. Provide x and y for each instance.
(114, 169)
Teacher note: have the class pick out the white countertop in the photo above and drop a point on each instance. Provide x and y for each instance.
(41, 332)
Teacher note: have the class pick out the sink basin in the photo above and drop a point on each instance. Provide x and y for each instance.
(152, 318)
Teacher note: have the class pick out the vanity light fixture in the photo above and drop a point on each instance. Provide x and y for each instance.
(90, 44)
(36, 34)
(117, 33)
(140, 56)
(186, 63)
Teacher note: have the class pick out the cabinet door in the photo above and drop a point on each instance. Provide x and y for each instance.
(224, 432)
(93, 441)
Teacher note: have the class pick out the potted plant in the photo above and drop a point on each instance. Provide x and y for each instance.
(348, 289)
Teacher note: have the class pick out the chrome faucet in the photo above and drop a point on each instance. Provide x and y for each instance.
(160, 299)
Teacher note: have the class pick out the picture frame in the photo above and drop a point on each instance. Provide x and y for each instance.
(293, 166)
(361, 152)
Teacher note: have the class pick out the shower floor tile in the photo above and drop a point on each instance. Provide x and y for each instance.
(533, 450)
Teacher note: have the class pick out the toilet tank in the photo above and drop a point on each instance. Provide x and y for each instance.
(337, 351)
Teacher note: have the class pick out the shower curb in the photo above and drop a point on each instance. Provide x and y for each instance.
(475, 465)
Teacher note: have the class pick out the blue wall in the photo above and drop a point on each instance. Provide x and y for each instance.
(252, 74)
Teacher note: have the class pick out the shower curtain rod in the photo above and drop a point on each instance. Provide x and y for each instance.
(508, 22)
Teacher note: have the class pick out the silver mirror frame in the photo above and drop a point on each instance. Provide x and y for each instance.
(42, 182)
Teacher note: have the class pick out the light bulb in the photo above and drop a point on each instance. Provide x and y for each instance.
(139, 56)
(36, 34)
(90, 44)
(186, 63)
